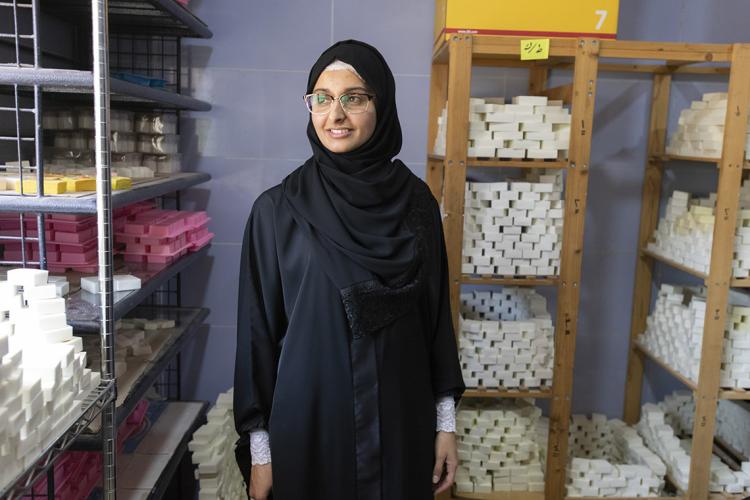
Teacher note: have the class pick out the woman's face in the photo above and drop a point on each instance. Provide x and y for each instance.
(341, 132)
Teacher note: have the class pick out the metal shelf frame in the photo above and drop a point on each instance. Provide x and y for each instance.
(192, 323)
(136, 16)
(29, 82)
(86, 204)
(81, 83)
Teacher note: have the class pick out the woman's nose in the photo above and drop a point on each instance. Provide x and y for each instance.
(337, 112)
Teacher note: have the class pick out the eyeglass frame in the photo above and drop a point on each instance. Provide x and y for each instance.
(370, 98)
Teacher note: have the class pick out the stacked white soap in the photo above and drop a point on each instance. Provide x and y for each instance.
(513, 228)
(732, 419)
(685, 233)
(506, 340)
(43, 379)
(497, 447)
(733, 425)
(132, 341)
(530, 127)
(674, 334)
(212, 450)
(662, 438)
(609, 459)
(700, 130)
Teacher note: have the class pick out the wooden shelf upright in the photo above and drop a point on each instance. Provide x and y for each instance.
(453, 60)
(706, 389)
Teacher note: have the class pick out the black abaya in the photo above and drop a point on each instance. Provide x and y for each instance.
(347, 397)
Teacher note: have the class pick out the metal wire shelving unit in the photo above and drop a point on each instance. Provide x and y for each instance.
(24, 81)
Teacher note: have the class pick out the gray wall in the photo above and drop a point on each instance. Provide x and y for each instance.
(254, 71)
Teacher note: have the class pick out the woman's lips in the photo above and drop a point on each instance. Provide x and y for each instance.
(339, 133)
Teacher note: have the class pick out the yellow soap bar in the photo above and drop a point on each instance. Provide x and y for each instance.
(76, 184)
(121, 182)
(53, 185)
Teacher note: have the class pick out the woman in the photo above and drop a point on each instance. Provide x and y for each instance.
(346, 356)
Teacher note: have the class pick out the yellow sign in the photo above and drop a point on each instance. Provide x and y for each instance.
(548, 18)
(535, 49)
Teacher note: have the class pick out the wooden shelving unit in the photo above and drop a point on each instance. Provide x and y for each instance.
(446, 176)
(718, 281)
(453, 59)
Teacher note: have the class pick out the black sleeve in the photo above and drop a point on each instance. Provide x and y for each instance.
(261, 321)
(446, 369)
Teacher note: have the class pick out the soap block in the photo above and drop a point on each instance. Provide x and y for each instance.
(121, 182)
(120, 283)
(57, 335)
(40, 292)
(26, 277)
(77, 184)
(47, 306)
(125, 282)
(51, 186)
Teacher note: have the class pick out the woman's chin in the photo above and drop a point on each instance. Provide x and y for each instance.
(340, 146)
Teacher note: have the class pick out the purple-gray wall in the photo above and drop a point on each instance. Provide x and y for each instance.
(254, 71)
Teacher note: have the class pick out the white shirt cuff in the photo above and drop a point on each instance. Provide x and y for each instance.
(260, 448)
(446, 414)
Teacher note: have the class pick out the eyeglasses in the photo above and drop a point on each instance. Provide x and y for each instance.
(354, 102)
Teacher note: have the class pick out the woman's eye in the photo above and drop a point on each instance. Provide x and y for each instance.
(321, 98)
(354, 99)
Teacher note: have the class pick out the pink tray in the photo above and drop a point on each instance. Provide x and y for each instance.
(156, 224)
(166, 246)
(156, 259)
(71, 217)
(73, 226)
(77, 259)
(202, 242)
(77, 237)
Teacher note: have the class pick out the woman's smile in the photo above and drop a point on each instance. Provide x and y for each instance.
(339, 133)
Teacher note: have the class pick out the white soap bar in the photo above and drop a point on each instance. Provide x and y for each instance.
(125, 282)
(56, 335)
(63, 288)
(26, 277)
(30, 320)
(46, 291)
(120, 282)
(90, 283)
(47, 306)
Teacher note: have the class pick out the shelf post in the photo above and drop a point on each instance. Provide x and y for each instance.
(100, 35)
(652, 179)
(438, 96)
(584, 96)
(459, 85)
(720, 272)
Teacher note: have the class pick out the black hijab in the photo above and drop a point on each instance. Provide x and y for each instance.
(352, 205)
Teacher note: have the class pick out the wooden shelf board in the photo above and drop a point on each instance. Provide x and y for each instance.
(545, 392)
(674, 264)
(734, 393)
(697, 159)
(736, 282)
(686, 381)
(470, 279)
(501, 163)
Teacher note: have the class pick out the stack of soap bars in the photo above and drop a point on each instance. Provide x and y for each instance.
(162, 236)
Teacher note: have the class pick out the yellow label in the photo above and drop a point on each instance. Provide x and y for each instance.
(535, 49)
(547, 18)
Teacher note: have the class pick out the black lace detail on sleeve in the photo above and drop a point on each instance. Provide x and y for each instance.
(371, 305)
